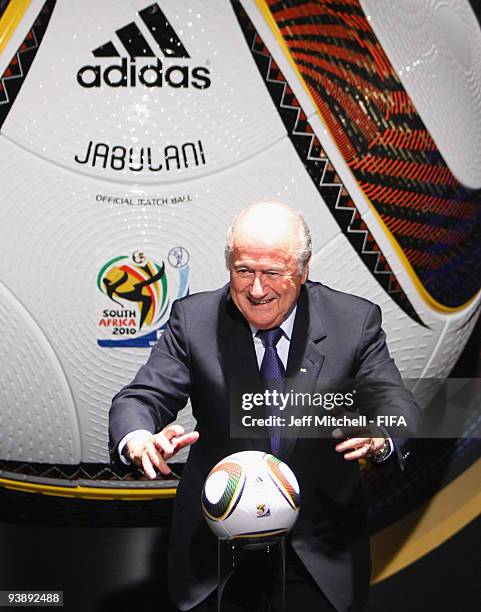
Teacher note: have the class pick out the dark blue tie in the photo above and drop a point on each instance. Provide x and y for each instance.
(272, 369)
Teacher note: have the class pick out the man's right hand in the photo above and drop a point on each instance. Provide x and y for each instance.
(148, 450)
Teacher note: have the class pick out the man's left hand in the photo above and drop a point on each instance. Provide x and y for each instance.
(359, 448)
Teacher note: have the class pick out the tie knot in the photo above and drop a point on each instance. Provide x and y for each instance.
(270, 337)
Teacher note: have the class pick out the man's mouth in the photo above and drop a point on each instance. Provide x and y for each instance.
(260, 302)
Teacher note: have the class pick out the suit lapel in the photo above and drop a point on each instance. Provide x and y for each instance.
(306, 358)
(237, 357)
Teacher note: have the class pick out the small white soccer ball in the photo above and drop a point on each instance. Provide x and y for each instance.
(250, 494)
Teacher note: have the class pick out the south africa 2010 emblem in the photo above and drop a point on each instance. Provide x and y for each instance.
(138, 292)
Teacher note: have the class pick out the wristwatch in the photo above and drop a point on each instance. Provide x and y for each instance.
(383, 453)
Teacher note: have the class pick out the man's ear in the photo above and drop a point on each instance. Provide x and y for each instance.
(305, 272)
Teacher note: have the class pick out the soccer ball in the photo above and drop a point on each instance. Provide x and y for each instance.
(131, 133)
(250, 494)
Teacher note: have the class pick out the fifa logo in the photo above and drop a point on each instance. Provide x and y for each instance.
(136, 296)
(262, 509)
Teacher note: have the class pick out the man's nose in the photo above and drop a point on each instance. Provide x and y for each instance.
(257, 290)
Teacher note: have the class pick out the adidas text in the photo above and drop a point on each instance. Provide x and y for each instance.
(126, 74)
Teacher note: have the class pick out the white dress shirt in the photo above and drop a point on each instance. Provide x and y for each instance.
(282, 345)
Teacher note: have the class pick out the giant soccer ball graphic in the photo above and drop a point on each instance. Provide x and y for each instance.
(250, 494)
(132, 132)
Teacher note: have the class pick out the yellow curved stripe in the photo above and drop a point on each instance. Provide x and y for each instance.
(10, 20)
(106, 493)
(423, 293)
(427, 527)
(266, 13)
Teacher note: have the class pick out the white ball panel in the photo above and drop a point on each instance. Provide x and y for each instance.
(456, 334)
(215, 486)
(38, 420)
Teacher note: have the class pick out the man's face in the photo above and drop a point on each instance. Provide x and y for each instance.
(264, 282)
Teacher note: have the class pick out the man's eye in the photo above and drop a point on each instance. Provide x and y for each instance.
(273, 274)
(243, 272)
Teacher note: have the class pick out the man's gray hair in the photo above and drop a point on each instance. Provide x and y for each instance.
(304, 241)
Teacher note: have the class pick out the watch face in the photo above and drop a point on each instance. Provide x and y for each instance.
(380, 455)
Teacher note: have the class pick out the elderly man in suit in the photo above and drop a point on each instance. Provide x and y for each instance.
(216, 338)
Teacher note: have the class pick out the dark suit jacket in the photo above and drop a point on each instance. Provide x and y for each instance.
(206, 346)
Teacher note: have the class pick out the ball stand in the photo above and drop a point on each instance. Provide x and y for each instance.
(251, 573)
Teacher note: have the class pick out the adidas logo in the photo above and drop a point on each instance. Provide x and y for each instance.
(156, 28)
